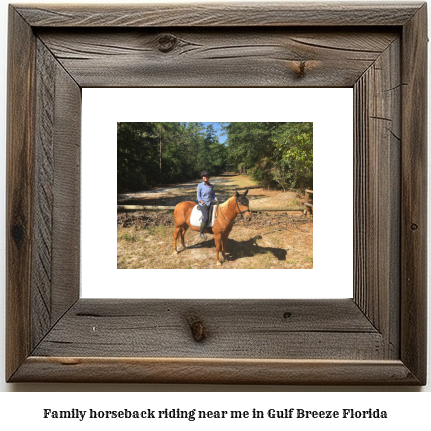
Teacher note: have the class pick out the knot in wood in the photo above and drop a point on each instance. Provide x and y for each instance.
(197, 328)
(167, 42)
(18, 233)
(300, 69)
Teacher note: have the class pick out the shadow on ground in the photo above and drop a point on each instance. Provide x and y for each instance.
(241, 249)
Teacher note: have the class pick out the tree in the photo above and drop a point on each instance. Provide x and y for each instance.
(276, 154)
(295, 145)
(137, 151)
(213, 154)
(163, 152)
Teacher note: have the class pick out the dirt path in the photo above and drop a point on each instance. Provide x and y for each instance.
(224, 187)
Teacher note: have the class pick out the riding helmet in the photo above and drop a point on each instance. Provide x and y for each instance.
(205, 174)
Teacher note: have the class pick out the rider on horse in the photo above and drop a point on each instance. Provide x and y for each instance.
(206, 195)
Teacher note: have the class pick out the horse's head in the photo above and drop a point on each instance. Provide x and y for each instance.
(242, 205)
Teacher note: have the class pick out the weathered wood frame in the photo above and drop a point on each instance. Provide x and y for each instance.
(378, 337)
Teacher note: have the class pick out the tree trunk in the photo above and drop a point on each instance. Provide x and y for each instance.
(160, 159)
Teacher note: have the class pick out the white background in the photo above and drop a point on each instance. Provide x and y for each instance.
(406, 408)
(330, 110)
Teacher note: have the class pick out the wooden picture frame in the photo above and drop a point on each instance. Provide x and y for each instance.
(376, 338)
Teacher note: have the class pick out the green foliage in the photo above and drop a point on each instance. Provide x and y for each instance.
(275, 154)
(296, 148)
(153, 153)
(131, 237)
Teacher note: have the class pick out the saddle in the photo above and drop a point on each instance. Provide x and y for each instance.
(196, 215)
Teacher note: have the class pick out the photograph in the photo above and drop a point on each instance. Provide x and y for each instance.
(193, 195)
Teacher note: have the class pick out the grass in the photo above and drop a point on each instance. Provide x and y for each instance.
(243, 181)
(129, 236)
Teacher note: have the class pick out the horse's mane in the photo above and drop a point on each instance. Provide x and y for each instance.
(224, 205)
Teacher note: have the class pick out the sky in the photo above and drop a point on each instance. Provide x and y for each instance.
(218, 130)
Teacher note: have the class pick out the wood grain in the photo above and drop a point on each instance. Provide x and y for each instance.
(269, 329)
(55, 279)
(44, 196)
(220, 15)
(377, 192)
(215, 371)
(413, 189)
(228, 58)
(67, 199)
(20, 198)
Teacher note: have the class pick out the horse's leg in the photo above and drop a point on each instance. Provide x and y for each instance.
(217, 239)
(176, 233)
(224, 240)
(223, 245)
(183, 232)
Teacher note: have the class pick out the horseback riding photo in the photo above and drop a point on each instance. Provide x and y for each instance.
(242, 191)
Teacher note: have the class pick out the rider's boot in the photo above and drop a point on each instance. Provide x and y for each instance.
(203, 236)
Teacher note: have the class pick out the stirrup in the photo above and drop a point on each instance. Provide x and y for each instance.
(203, 236)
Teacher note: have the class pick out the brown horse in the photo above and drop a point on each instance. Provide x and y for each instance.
(226, 214)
